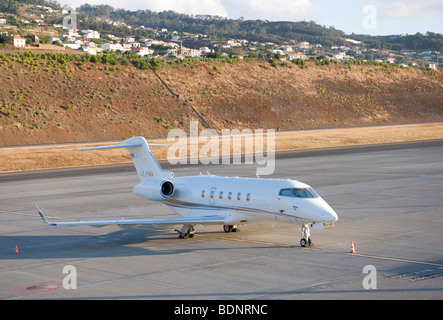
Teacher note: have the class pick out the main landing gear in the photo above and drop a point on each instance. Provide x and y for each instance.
(187, 231)
(230, 228)
(306, 236)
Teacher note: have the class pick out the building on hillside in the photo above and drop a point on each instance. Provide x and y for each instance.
(205, 50)
(191, 53)
(292, 56)
(19, 41)
(172, 52)
(34, 39)
(91, 34)
(74, 46)
(89, 47)
(142, 51)
(431, 66)
(112, 47)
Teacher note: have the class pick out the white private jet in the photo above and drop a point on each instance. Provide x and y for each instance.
(213, 200)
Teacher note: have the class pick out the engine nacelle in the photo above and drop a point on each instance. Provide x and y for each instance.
(155, 190)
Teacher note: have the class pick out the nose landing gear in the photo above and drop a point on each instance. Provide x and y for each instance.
(306, 236)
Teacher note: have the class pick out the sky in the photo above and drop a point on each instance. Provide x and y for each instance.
(373, 17)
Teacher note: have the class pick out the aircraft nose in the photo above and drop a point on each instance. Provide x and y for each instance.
(330, 215)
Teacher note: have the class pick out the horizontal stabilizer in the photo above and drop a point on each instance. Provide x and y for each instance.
(111, 147)
(120, 146)
(145, 164)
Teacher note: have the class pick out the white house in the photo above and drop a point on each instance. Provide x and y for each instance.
(74, 46)
(205, 50)
(173, 45)
(89, 47)
(303, 45)
(277, 51)
(91, 34)
(70, 35)
(192, 53)
(172, 51)
(143, 51)
(150, 42)
(233, 43)
(339, 56)
(19, 41)
(287, 48)
(292, 56)
(112, 47)
(431, 66)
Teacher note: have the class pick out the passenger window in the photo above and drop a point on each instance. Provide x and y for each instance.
(221, 195)
(248, 197)
(230, 195)
(212, 194)
(239, 196)
(203, 193)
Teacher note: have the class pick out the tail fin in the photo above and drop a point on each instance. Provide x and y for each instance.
(145, 164)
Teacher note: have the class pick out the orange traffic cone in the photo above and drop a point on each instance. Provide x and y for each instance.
(16, 250)
(352, 248)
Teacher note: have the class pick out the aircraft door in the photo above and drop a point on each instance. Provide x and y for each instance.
(212, 195)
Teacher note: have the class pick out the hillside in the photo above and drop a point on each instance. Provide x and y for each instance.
(44, 98)
(219, 28)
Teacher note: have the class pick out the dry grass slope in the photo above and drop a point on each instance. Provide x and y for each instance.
(45, 102)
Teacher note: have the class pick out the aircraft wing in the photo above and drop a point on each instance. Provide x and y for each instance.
(205, 220)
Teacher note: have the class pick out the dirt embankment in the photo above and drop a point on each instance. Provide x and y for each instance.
(64, 155)
(46, 102)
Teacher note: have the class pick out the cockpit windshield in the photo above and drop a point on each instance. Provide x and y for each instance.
(299, 193)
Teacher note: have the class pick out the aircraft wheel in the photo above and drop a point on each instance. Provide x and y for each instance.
(304, 242)
(227, 228)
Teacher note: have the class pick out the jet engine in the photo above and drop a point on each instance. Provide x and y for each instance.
(155, 190)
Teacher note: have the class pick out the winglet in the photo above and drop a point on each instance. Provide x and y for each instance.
(42, 216)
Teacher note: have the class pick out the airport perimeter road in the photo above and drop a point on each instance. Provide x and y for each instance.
(389, 202)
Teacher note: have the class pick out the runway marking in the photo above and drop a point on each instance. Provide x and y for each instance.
(395, 259)
(378, 257)
(21, 213)
(256, 242)
(40, 287)
(34, 215)
(336, 252)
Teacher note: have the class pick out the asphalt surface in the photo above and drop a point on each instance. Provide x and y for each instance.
(388, 199)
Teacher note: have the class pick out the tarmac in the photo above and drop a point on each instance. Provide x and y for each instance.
(388, 199)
